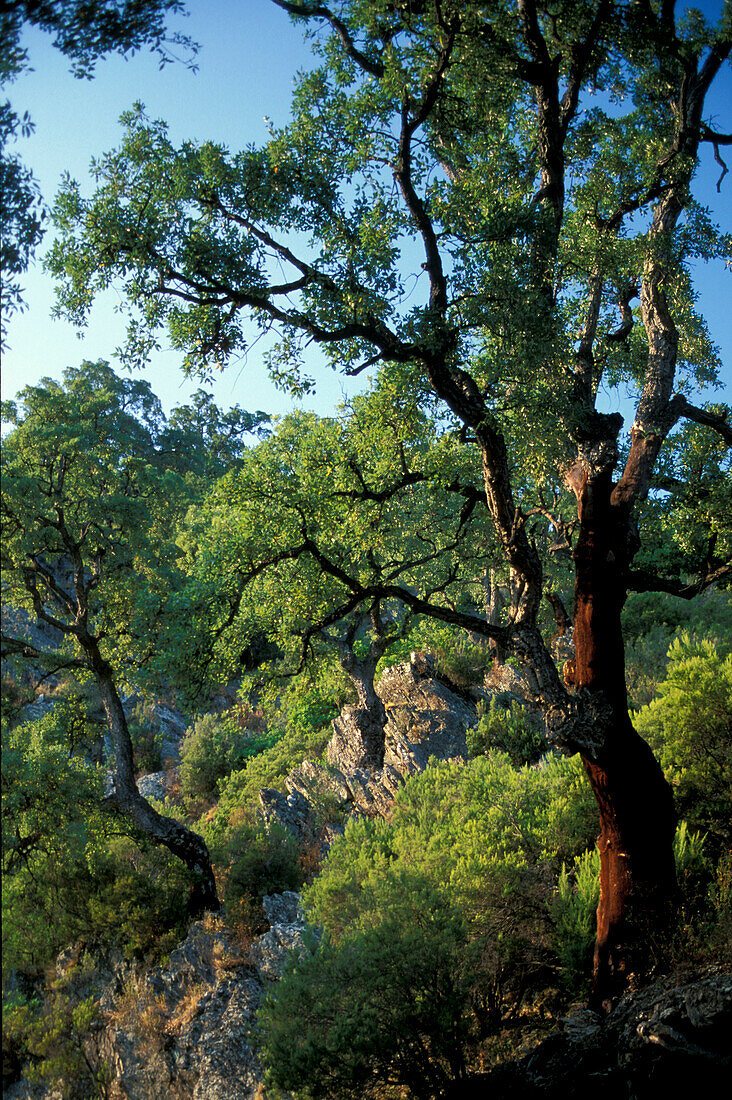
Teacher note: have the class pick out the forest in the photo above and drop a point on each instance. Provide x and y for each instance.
(386, 752)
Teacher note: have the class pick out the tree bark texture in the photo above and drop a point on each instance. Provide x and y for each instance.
(635, 803)
(181, 841)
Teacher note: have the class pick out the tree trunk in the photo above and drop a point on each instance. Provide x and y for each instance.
(637, 875)
(182, 842)
(370, 715)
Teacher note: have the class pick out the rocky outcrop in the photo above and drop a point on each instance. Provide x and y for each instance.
(286, 935)
(426, 717)
(183, 1030)
(671, 1038)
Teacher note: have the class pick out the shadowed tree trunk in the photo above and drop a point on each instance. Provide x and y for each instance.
(635, 803)
(181, 841)
(69, 590)
(369, 715)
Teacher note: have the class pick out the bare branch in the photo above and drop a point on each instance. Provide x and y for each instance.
(641, 580)
(319, 11)
(718, 422)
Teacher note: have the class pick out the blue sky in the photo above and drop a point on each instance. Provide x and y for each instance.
(250, 52)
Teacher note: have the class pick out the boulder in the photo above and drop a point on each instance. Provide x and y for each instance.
(670, 1038)
(155, 786)
(270, 952)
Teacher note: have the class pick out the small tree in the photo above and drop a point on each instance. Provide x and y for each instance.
(86, 515)
(333, 534)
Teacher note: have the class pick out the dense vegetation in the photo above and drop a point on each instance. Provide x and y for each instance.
(474, 502)
(471, 910)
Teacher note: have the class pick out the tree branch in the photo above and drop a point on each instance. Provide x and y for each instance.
(319, 11)
(642, 580)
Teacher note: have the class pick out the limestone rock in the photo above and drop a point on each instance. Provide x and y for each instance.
(292, 811)
(182, 1031)
(316, 784)
(270, 952)
(425, 718)
(155, 786)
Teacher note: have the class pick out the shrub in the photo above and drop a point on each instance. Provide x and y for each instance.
(140, 897)
(688, 726)
(67, 871)
(651, 620)
(213, 748)
(59, 1038)
(573, 910)
(263, 860)
(435, 927)
(509, 727)
(574, 905)
(384, 1003)
(268, 769)
(147, 739)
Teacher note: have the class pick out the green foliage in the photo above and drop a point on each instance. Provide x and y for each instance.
(88, 448)
(650, 623)
(384, 1003)
(573, 911)
(213, 748)
(689, 724)
(268, 769)
(320, 507)
(66, 872)
(261, 859)
(435, 925)
(460, 660)
(509, 727)
(137, 897)
(58, 1036)
(475, 829)
(147, 741)
(574, 905)
(51, 808)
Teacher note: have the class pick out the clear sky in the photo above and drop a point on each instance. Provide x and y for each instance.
(250, 52)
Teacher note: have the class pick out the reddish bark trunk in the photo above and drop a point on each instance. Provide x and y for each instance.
(637, 876)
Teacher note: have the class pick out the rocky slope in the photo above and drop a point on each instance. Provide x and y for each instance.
(184, 1029)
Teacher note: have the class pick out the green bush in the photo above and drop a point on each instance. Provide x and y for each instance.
(436, 926)
(574, 905)
(651, 620)
(57, 1040)
(51, 813)
(688, 726)
(213, 748)
(574, 910)
(147, 740)
(269, 768)
(508, 727)
(68, 872)
(384, 1003)
(261, 859)
(139, 898)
